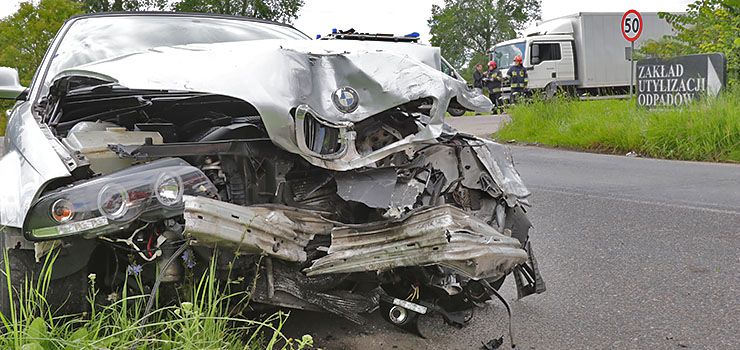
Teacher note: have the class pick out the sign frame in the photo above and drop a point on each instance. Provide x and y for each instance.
(639, 32)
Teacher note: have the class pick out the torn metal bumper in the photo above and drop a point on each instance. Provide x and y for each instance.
(274, 230)
(442, 235)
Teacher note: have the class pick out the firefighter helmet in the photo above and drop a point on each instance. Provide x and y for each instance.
(518, 59)
(492, 63)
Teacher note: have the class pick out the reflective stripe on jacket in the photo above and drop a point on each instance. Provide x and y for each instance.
(518, 77)
(493, 80)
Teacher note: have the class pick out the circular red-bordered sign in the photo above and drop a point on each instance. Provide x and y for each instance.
(631, 25)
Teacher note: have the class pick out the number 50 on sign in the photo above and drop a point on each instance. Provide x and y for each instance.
(631, 25)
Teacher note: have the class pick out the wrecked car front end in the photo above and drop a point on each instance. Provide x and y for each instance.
(329, 160)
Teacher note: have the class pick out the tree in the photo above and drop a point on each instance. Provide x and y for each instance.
(275, 10)
(464, 28)
(124, 5)
(26, 34)
(706, 26)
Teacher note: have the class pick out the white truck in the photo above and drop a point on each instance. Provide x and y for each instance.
(584, 53)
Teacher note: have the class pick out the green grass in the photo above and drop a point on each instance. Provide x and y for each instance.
(208, 320)
(4, 106)
(3, 123)
(702, 131)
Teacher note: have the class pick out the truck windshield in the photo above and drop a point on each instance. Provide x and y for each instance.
(504, 55)
(98, 38)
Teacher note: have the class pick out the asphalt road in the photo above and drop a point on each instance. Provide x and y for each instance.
(636, 253)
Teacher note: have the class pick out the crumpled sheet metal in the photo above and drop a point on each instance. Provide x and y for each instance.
(378, 188)
(497, 159)
(373, 187)
(278, 231)
(442, 235)
(277, 75)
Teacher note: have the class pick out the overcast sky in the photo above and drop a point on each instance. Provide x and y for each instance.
(406, 16)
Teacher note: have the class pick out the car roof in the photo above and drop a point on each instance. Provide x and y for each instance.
(180, 14)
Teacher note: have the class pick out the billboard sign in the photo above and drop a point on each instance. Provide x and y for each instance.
(679, 80)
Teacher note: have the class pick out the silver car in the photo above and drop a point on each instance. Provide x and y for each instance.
(149, 144)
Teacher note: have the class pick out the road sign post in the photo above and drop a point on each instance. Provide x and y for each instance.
(631, 29)
(632, 67)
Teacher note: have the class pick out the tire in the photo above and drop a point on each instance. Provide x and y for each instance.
(65, 295)
(21, 264)
(455, 112)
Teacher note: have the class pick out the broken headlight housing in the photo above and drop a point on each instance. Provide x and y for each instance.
(149, 192)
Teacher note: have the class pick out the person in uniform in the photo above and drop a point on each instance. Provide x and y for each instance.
(518, 77)
(493, 82)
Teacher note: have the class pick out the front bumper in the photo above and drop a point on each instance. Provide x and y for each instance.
(442, 235)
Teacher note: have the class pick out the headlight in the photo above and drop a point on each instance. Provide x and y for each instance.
(169, 190)
(149, 192)
(113, 201)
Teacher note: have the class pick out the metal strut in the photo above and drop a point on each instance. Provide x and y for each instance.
(493, 291)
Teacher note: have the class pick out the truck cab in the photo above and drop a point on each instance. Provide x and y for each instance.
(549, 59)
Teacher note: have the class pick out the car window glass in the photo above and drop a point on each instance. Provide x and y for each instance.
(446, 69)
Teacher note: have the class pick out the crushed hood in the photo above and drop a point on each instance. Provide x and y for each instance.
(278, 75)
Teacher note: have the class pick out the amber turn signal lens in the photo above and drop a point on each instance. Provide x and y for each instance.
(62, 210)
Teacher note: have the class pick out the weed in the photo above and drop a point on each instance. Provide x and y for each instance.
(703, 131)
(206, 321)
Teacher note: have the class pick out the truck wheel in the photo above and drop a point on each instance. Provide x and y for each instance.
(550, 90)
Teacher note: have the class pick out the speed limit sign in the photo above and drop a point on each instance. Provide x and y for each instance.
(631, 25)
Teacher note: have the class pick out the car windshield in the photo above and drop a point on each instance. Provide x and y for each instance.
(504, 55)
(98, 38)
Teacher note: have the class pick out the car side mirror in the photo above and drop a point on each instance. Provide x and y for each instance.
(535, 54)
(10, 86)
